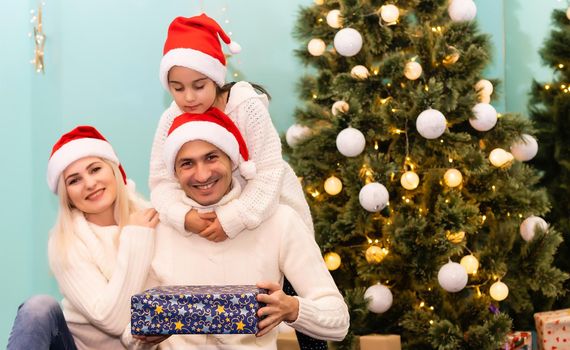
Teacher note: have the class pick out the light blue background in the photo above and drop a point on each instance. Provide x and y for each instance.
(101, 68)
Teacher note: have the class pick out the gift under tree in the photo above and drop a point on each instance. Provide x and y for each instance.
(426, 212)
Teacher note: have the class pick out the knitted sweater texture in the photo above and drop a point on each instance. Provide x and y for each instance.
(281, 245)
(105, 267)
(274, 184)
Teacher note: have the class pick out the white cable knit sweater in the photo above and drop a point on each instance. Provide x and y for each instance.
(99, 279)
(280, 245)
(274, 184)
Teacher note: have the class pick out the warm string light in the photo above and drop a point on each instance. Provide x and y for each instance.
(39, 40)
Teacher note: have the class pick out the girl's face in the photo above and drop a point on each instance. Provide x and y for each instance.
(192, 91)
(91, 187)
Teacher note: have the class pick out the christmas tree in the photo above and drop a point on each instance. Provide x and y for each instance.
(430, 226)
(549, 108)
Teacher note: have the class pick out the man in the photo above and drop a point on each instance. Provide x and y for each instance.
(201, 151)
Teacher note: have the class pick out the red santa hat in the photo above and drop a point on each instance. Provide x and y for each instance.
(193, 42)
(212, 126)
(81, 142)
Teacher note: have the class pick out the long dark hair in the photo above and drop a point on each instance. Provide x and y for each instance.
(227, 87)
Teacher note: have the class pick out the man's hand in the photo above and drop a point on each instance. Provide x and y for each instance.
(214, 232)
(194, 222)
(279, 307)
(151, 339)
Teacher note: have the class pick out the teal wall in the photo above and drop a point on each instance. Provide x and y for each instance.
(101, 68)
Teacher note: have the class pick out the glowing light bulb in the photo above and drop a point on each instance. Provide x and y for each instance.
(410, 180)
(453, 177)
(470, 263)
(499, 157)
(332, 260)
(316, 47)
(333, 185)
(499, 291)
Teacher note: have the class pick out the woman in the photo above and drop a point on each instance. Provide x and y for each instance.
(100, 250)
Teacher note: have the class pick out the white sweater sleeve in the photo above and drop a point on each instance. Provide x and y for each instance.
(323, 314)
(165, 192)
(260, 195)
(106, 303)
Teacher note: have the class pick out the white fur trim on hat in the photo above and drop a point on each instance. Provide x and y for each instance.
(74, 150)
(192, 59)
(210, 132)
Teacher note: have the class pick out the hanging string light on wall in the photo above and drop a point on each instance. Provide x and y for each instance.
(39, 39)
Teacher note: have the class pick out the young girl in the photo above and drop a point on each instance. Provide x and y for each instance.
(100, 250)
(192, 70)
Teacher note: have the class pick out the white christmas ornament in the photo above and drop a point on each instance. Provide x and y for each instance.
(339, 107)
(413, 70)
(296, 133)
(452, 277)
(525, 149)
(568, 13)
(373, 197)
(485, 117)
(499, 157)
(452, 177)
(316, 47)
(499, 291)
(379, 298)
(333, 185)
(462, 10)
(530, 225)
(347, 42)
(389, 13)
(359, 72)
(333, 19)
(470, 264)
(410, 180)
(350, 142)
(431, 124)
(484, 87)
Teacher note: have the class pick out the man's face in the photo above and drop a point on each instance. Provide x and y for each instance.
(203, 171)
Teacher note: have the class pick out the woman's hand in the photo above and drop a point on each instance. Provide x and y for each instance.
(279, 307)
(195, 223)
(144, 218)
(151, 339)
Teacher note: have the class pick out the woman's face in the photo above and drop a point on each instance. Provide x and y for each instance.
(91, 186)
(192, 91)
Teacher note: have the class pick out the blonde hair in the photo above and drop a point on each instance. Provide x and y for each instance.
(62, 233)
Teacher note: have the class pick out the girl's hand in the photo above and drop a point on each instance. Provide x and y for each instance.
(214, 232)
(279, 307)
(151, 339)
(194, 222)
(144, 218)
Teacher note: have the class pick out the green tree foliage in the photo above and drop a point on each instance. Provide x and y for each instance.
(549, 108)
(425, 227)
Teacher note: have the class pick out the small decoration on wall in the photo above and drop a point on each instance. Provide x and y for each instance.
(39, 39)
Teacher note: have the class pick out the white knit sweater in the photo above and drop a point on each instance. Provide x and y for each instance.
(99, 279)
(274, 184)
(280, 246)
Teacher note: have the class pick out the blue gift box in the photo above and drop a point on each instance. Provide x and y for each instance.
(196, 310)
